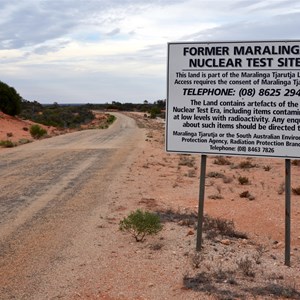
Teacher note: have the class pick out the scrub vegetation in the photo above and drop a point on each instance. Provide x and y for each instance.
(10, 100)
(68, 116)
(37, 131)
(140, 224)
(73, 116)
(56, 115)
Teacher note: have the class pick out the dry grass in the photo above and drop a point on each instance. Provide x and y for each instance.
(221, 161)
(296, 191)
(243, 180)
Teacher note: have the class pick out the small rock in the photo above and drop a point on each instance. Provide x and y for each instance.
(190, 232)
(225, 242)
(244, 242)
(181, 223)
(150, 284)
(277, 245)
(245, 194)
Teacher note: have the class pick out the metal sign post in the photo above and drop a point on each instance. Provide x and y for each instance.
(201, 203)
(287, 260)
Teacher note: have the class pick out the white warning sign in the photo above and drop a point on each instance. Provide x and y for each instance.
(234, 98)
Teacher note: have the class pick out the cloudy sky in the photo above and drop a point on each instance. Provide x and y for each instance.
(99, 51)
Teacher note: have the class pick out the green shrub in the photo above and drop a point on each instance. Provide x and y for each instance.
(23, 141)
(140, 224)
(10, 100)
(37, 131)
(55, 115)
(154, 112)
(111, 119)
(108, 121)
(7, 144)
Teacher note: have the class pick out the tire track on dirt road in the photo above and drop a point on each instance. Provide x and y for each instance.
(40, 194)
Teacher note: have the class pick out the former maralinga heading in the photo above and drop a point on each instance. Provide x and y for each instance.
(229, 56)
(242, 50)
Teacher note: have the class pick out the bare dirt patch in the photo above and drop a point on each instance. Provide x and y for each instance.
(248, 264)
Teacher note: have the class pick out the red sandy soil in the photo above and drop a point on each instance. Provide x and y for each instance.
(15, 129)
(161, 181)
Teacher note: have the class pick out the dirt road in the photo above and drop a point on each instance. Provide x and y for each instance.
(49, 190)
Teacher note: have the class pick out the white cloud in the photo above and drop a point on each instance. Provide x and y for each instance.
(116, 49)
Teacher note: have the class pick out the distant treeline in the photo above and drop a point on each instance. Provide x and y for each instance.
(156, 108)
(74, 115)
(66, 116)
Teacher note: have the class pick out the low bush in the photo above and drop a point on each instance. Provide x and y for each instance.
(37, 131)
(246, 266)
(215, 197)
(62, 116)
(217, 226)
(296, 162)
(186, 160)
(246, 164)
(215, 175)
(243, 180)
(246, 194)
(7, 144)
(221, 160)
(23, 141)
(111, 119)
(296, 191)
(140, 224)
